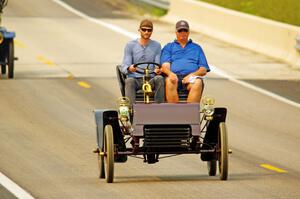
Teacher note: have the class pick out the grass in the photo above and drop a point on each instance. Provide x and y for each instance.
(144, 8)
(287, 11)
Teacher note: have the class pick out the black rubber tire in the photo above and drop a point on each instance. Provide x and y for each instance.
(151, 158)
(212, 167)
(223, 147)
(3, 69)
(109, 150)
(10, 59)
(101, 164)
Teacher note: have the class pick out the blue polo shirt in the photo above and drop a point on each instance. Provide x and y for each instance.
(184, 60)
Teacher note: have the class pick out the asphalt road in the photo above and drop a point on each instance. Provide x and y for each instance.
(47, 125)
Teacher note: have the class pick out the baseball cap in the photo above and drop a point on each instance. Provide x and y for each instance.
(146, 23)
(182, 24)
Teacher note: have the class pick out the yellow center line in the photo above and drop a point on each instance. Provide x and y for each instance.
(45, 61)
(19, 44)
(50, 63)
(84, 84)
(270, 167)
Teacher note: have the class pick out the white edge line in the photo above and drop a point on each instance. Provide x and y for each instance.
(14, 188)
(97, 21)
(250, 86)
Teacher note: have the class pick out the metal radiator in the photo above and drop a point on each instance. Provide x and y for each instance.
(167, 136)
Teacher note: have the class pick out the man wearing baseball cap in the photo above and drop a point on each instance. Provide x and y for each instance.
(140, 50)
(184, 64)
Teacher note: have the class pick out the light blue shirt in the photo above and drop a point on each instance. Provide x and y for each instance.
(184, 60)
(136, 53)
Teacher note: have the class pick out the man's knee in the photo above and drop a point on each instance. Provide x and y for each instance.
(198, 84)
(130, 81)
(171, 83)
(159, 80)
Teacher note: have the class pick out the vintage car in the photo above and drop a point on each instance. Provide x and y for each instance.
(6, 47)
(151, 130)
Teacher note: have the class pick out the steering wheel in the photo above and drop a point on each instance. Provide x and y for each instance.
(141, 70)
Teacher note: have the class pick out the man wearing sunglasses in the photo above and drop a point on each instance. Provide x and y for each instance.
(184, 64)
(140, 50)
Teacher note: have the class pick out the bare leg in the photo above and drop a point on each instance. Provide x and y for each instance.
(195, 93)
(171, 91)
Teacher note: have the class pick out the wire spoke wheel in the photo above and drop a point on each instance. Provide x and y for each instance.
(109, 153)
(3, 69)
(223, 154)
(212, 167)
(100, 157)
(10, 59)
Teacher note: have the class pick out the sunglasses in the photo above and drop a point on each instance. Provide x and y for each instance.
(182, 30)
(146, 29)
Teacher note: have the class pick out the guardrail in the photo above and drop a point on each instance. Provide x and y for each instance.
(164, 4)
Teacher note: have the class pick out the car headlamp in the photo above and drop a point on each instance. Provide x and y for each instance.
(208, 108)
(124, 110)
(208, 100)
(1, 37)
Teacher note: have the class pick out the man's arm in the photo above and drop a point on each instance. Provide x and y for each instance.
(157, 59)
(165, 67)
(158, 54)
(202, 62)
(165, 59)
(200, 72)
(127, 60)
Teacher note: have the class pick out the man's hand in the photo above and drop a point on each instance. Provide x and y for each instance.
(131, 69)
(186, 79)
(158, 71)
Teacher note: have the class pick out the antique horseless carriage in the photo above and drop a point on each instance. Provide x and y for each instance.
(153, 130)
(6, 47)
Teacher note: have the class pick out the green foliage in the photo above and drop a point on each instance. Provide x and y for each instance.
(145, 8)
(287, 11)
(158, 12)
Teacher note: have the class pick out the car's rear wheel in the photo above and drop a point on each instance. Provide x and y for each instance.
(3, 69)
(223, 154)
(109, 153)
(212, 167)
(10, 59)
